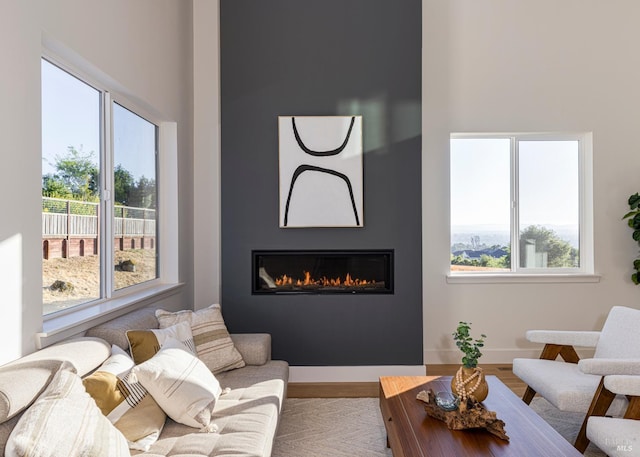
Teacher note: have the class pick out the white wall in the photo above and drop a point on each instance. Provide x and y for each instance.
(144, 45)
(529, 65)
(206, 134)
(489, 65)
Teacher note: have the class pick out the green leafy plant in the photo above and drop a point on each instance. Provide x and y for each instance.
(633, 217)
(469, 347)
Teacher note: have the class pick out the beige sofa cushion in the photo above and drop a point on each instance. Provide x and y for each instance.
(114, 331)
(23, 380)
(247, 417)
(255, 348)
(85, 354)
(31, 377)
(20, 385)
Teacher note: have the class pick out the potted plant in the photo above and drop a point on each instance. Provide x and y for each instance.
(469, 381)
(634, 223)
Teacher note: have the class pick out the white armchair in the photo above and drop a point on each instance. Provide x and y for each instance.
(619, 437)
(577, 385)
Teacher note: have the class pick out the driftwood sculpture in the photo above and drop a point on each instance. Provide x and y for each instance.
(470, 414)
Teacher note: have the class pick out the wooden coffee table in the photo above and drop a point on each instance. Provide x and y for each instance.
(411, 433)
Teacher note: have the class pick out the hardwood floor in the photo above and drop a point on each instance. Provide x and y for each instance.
(370, 389)
(332, 389)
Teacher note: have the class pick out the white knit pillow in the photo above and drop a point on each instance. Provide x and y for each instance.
(181, 384)
(65, 421)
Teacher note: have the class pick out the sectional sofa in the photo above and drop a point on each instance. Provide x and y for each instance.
(243, 421)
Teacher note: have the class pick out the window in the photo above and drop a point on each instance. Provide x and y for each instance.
(135, 196)
(521, 204)
(99, 192)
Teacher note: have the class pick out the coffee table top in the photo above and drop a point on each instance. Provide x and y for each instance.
(417, 434)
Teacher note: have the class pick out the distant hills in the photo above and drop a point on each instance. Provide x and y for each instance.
(495, 252)
(487, 237)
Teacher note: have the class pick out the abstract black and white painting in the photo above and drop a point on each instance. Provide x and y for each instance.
(320, 171)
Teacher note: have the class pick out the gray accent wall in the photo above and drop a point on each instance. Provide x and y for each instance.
(317, 58)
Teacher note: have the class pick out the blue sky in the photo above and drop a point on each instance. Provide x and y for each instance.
(71, 117)
(481, 183)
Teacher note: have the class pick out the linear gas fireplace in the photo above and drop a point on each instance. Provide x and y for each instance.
(323, 272)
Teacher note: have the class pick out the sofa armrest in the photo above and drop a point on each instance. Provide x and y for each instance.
(604, 367)
(564, 337)
(255, 348)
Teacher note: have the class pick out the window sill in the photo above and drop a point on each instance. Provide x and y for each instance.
(482, 278)
(57, 327)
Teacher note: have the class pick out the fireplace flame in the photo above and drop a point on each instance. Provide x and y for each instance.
(309, 281)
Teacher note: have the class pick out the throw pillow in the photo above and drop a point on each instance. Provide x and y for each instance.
(143, 344)
(65, 420)
(213, 343)
(181, 384)
(126, 404)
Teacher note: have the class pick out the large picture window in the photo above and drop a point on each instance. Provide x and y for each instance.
(521, 204)
(99, 192)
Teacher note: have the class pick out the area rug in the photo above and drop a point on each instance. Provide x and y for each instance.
(565, 423)
(331, 427)
(353, 427)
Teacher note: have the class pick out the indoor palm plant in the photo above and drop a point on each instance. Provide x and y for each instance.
(633, 217)
(469, 381)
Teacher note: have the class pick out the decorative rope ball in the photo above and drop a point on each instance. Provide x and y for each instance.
(467, 387)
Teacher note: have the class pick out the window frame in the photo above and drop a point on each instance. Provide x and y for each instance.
(585, 272)
(72, 320)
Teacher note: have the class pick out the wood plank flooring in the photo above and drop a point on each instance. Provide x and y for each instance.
(370, 389)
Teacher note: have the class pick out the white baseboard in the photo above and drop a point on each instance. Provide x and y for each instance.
(454, 356)
(352, 374)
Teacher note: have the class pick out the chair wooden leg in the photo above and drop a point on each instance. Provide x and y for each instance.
(550, 351)
(528, 395)
(599, 405)
(569, 354)
(633, 410)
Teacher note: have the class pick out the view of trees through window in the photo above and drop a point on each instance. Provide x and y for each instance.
(74, 214)
(477, 255)
(489, 194)
(135, 196)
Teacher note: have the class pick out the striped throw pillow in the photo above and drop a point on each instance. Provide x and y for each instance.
(65, 421)
(181, 384)
(214, 345)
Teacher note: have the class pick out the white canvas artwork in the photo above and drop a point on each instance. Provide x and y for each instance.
(320, 171)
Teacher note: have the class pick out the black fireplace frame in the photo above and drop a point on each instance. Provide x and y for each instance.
(256, 288)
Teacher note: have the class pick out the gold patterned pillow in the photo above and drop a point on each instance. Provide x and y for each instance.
(213, 343)
(144, 344)
(126, 404)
